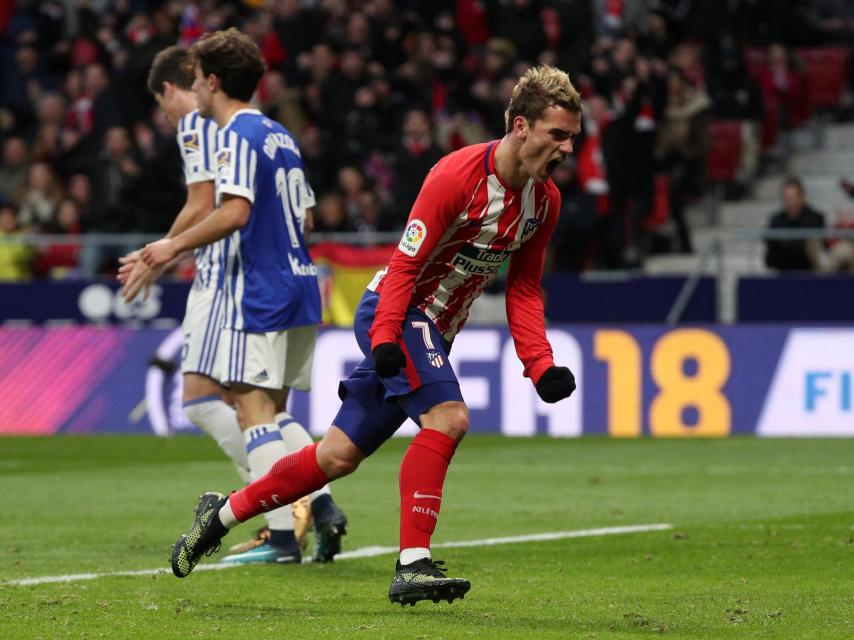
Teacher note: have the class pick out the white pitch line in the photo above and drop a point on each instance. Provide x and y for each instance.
(365, 552)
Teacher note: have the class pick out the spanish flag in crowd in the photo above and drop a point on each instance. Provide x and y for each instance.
(343, 273)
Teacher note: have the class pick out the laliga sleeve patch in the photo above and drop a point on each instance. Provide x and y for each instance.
(413, 237)
(191, 142)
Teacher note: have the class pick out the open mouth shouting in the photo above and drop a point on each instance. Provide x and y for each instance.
(553, 164)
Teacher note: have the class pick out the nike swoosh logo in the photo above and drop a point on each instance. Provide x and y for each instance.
(425, 495)
(275, 499)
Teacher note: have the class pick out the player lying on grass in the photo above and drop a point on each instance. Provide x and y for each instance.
(477, 207)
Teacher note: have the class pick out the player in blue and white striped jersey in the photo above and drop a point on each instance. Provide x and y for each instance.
(170, 81)
(269, 285)
(259, 162)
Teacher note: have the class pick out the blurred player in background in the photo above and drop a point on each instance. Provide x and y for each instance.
(477, 206)
(170, 80)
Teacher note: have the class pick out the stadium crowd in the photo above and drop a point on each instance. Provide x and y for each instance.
(377, 90)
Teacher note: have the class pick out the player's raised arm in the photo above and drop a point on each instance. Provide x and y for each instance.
(526, 311)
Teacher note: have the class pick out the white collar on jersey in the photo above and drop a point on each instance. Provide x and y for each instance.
(239, 112)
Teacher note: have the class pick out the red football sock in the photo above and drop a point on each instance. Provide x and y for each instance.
(422, 474)
(292, 477)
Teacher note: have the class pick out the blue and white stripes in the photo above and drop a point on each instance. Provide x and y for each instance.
(197, 142)
(232, 282)
(236, 164)
(197, 138)
(209, 265)
(210, 339)
(236, 363)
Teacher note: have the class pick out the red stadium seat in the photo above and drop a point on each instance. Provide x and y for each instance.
(722, 164)
(724, 157)
(827, 73)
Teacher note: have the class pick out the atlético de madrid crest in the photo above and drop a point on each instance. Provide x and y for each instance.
(435, 358)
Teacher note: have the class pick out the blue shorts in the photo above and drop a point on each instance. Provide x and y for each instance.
(373, 408)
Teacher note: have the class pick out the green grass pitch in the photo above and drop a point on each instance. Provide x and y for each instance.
(762, 544)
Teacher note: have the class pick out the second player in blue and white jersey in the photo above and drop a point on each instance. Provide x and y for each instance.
(203, 318)
(272, 299)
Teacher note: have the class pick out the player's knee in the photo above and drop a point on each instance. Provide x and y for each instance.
(197, 387)
(337, 459)
(336, 466)
(458, 424)
(451, 418)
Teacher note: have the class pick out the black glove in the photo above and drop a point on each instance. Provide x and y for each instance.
(388, 359)
(556, 384)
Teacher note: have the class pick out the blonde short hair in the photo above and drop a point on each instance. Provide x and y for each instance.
(540, 88)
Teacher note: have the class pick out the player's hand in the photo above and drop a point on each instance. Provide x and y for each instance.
(158, 254)
(556, 384)
(388, 359)
(127, 263)
(139, 279)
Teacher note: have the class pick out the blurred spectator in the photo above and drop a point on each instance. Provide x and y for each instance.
(519, 22)
(372, 216)
(57, 259)
(576, 224)
(364, 129)
(575, 35)
(79, 119)
(25, 79)
(794, 255)
(351, 183)
(623, 16)
(14, 170)
(330, 215)
(282, 103)
(156, 191)
(15, 257)
(115, 170)
(40, 197)
(840, 251)
(736, 95)
(683, 144)
(847, 186)
(784, 87)
(80, 190)
(95, 110)
(592, 174)
(628, 136)
(319, 164)
(48, 137)
(415, 155)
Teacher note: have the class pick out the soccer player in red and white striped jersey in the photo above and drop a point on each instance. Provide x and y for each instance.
(478, 207)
